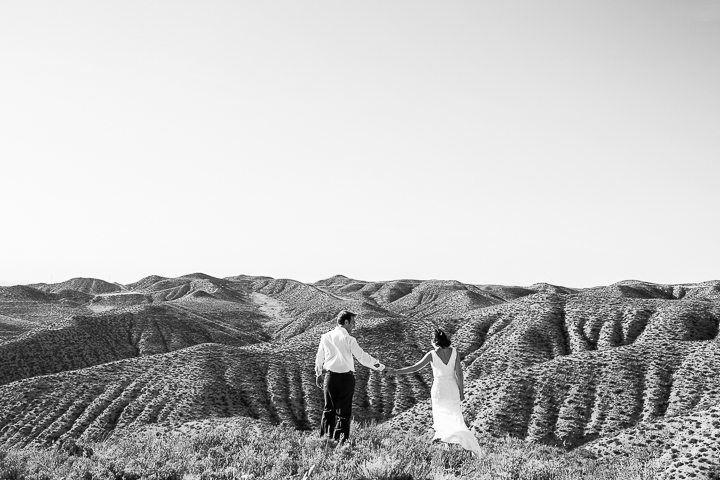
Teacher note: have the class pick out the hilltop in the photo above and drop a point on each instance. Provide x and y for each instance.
(601, 370)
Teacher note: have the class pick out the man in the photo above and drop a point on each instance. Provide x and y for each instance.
(335, 357)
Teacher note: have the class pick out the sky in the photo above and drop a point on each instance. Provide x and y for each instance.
(491, 142)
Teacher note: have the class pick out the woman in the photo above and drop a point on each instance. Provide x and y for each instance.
(446, 393)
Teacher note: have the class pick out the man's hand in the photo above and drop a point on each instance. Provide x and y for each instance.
(462, 396)
(317, 381)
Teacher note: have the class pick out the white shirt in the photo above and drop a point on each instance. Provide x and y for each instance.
(336, 351)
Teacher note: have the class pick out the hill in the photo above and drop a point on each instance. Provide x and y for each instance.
(145, 330)
(91, 286)
(600, 370)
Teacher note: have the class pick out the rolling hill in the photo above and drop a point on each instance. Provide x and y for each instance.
(603, 369)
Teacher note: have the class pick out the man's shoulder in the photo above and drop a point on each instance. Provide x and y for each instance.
(328, 334)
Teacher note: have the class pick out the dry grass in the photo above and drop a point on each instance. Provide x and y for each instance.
(247, 450)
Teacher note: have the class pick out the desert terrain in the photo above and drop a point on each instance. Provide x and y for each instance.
(603, 371)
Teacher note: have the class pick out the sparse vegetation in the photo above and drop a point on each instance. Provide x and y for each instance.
(607, 369)
(248, 450)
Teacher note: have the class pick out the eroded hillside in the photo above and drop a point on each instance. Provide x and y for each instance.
(591, 368)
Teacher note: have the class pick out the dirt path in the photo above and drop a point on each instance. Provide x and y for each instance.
(273, 309)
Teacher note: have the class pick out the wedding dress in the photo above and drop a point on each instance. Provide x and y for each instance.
(448, 421)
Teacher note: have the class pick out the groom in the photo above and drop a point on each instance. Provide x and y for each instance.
(335, 357)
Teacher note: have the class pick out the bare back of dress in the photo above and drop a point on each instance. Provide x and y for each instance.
(448, 421)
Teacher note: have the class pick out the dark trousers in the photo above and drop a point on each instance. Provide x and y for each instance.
(339, 389)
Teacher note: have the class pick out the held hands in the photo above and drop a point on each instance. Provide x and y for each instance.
(462, 396)
(318, 381)
(385, 370)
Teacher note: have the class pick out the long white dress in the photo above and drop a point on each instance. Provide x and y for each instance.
(448, 421)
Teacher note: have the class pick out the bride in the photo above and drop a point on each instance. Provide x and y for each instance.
(446, 393)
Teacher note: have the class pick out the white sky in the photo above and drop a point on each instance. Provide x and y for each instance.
(506, 142)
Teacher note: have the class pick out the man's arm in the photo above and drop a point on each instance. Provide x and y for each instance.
(319, 362)
(363, 357)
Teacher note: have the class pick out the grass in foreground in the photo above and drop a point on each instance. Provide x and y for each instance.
(244, 450)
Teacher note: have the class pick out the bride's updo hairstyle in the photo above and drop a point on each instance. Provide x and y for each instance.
(440, 339)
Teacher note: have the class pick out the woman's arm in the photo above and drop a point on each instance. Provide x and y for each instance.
(402, 371)
(459, 377)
